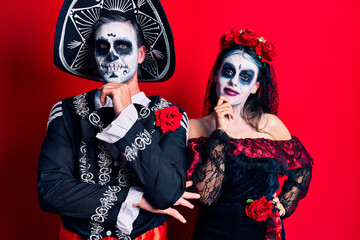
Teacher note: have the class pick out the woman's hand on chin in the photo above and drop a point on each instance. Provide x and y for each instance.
(223, 113)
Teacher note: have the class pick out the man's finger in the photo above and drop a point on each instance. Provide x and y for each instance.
(103, 98)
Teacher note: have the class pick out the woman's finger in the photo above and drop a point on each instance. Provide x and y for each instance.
(190, 195)
(225, 112)
(184, 202)
(225, 99)
(189, 184)
(175, 214)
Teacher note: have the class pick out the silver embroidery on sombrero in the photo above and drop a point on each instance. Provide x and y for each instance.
(86, 176)
(80, 104)
(104, 164)
(141, 141)
(83, 20)
(101, 212)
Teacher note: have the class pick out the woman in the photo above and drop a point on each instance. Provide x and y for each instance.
(240, 147)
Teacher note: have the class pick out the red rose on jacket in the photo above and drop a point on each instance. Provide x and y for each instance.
(168, 119)
(259, 209)
(266, 50)
(247, 37)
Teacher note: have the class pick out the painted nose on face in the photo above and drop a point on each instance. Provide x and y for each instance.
(232, 82)
(112, 57)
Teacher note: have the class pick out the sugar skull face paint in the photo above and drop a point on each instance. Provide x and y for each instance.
(116, 51)
(236, 78)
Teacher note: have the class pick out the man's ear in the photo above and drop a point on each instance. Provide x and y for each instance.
(255, 88)
(142, 51)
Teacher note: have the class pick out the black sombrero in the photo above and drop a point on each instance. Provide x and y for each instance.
(74, 55)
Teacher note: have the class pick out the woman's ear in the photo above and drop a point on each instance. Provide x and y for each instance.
(255, 88)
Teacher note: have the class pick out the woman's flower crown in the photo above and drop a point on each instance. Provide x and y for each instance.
(247, 37)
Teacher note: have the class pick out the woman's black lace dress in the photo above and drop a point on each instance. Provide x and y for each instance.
(228, 172)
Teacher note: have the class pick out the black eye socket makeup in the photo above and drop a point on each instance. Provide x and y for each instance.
(102, 47)
(246, 76)
(228, 70)
(123, 47)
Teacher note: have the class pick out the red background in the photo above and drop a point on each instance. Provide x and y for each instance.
(317, 67)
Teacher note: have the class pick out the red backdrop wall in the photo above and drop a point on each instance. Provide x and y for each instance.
(317, 67)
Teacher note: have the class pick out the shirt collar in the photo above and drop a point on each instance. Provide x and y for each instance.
(139, 98)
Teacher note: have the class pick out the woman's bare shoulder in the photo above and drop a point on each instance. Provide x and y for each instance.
(272, 125)
(199, 127)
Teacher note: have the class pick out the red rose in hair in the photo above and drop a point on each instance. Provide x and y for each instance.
(247, 37)
(266, 51)
(168, 119)
(226, 39)
(259, 209)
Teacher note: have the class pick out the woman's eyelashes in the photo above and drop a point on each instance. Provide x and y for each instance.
(228, 71)
(245, 76)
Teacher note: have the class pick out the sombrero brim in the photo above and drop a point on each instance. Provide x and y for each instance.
(74, 55)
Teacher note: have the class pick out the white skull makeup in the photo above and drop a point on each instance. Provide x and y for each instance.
(236, 78)
(116, 51)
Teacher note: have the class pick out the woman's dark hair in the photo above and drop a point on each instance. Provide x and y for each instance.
(257, 103)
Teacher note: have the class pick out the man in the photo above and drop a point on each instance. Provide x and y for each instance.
(112, 150)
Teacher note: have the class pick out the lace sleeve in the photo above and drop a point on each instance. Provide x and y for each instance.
(209, 173)
(294, 189)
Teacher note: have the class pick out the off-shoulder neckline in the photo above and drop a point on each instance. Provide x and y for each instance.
(293, 138)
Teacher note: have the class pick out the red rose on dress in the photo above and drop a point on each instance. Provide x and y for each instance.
(259, 209)
(247, 37)
(168, 119)
(266, 51)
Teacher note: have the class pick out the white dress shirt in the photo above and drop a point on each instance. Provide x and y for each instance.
(116, 130)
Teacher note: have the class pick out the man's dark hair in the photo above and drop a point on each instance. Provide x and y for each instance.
(118, 18)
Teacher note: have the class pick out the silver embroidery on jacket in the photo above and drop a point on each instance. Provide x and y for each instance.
(161, 105)
(80, 104)
(104, 164)
(86, 176)
(185, 124)
(144, 113)
(124, 174)
(56, 111)
(101, 212)
(95, 120)
(141, 141)
(122, 236)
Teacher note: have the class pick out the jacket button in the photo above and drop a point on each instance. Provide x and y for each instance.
(108, 233)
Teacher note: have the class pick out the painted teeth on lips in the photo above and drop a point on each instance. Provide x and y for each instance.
(230, 92)
(112, 67)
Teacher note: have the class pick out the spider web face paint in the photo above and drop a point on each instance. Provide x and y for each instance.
(116, 51)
